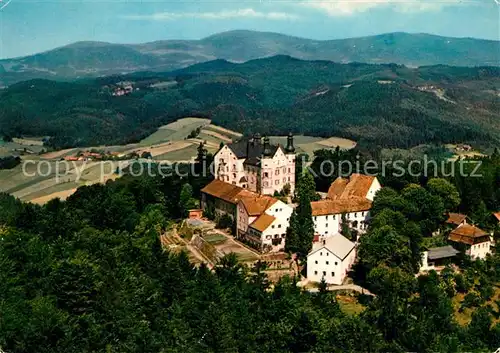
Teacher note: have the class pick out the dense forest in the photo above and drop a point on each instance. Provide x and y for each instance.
(89, 274)
(376, 105)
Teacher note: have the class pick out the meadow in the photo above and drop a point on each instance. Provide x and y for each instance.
(169, 143)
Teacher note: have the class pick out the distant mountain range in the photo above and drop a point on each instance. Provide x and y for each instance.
(93, 59)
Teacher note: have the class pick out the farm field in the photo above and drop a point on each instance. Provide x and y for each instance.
(168, 143)
(309, 144)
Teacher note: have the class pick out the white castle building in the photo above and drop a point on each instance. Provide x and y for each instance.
(256, 165)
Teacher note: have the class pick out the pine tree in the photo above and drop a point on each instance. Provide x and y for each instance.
(300, 233)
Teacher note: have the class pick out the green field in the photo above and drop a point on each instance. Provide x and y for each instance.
(42, 187)
(178, 130)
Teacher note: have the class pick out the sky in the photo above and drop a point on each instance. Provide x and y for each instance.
(31, 26)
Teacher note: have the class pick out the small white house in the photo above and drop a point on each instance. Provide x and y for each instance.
(331, 259)
(475, 241)
(263, 221)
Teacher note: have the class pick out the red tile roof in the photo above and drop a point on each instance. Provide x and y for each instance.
(468, 234)
(497, 216)
(357, 185)
(257, 204)
(263, 222)
(455, 218)
(328, 207)
(227, 192)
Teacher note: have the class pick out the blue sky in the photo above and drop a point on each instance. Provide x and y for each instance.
(30, 26)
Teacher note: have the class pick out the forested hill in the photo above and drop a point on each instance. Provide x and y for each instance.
(92, 59)
(377, 105)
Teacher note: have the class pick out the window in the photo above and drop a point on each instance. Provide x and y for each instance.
(276, 182)
(362, 214)
(289, 171)
(336, 263)
(327, 255)
(326, 225)
(320, 253)
(266, 174)
(333, 274)
(333, 217)
(268, 237)
(279, 225)
(283, 235)
(324, 273)
(326, 217)
(288, 178)
(316, 262)
(272, 226)
(277, 172)
(315, 272)
(327, 263)
(315, 218)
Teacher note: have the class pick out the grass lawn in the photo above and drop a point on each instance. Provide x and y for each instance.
(186, 153)
(215, 239)
(247, 256)
(350, 305)
(465, 317)
(162, 135)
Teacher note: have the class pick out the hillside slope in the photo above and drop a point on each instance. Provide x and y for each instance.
(92, 59)
(377, 105)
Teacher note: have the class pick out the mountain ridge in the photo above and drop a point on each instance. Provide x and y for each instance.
(95, 58)
(384, 105)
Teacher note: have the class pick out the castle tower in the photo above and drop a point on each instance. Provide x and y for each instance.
(289, 145)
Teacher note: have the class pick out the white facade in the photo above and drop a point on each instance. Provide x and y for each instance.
(330, 260)
(272, 238)
(253, 170)
(479, 251)
(328, 225)
(228, 167)
(276, 172)
(370, 195)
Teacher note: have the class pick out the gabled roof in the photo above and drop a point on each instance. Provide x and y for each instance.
(468, 234)
(357, 185)
(256, 205)
(442, 252)
(250, 150)
(456, 218)
(337, 244)
(497, 216)
(227, 192)
(263, 222)
(330, 207)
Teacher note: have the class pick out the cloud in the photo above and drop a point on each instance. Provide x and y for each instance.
(351, 7)
(221, 15)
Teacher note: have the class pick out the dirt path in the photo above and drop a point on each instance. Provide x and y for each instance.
(353, 287)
